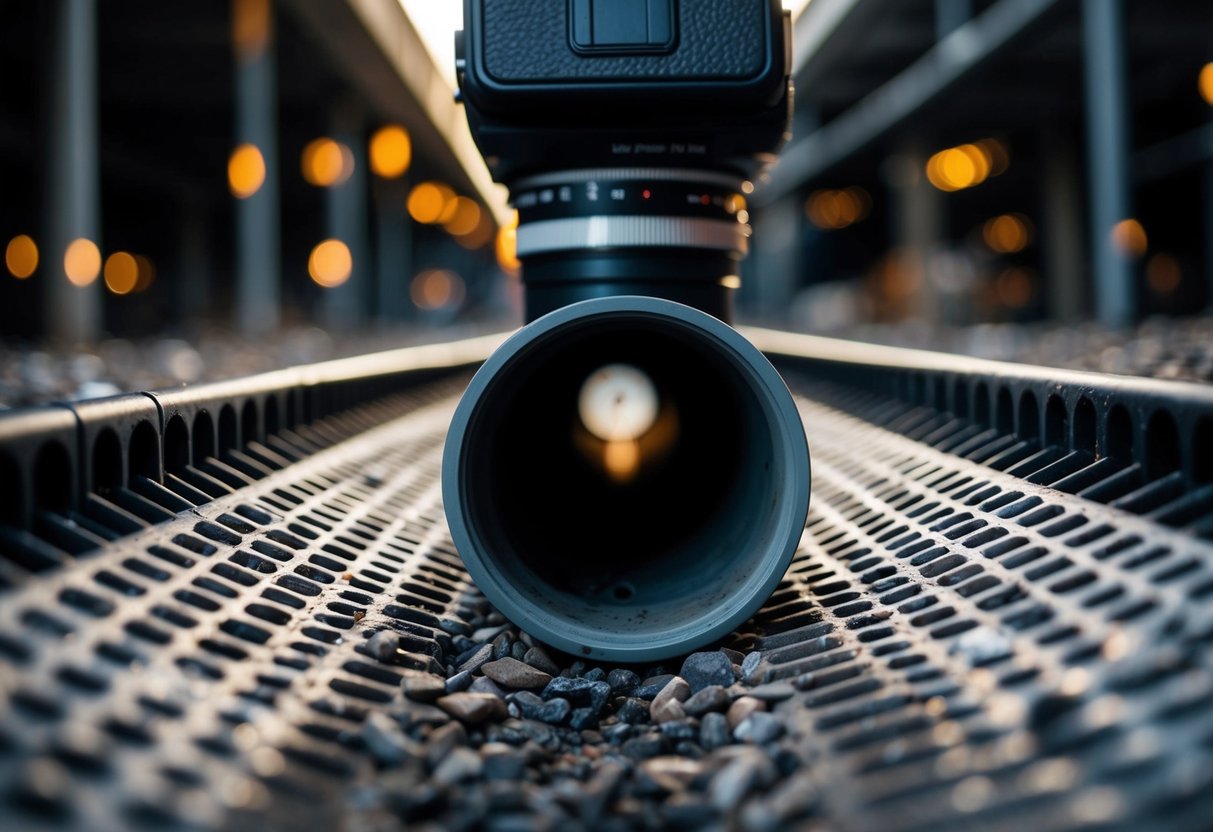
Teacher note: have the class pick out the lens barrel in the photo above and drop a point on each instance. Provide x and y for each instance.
(678, 234)
(673, 555)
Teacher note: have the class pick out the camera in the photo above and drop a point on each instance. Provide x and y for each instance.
(628, 133)
(627, 477)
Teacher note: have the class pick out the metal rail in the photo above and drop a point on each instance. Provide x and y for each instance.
(999, 615)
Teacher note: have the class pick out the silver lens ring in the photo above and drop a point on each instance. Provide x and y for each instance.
(600, 232)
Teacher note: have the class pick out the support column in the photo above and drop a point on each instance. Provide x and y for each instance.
(918, 220)
(74, 210)
(257, 238)
(1108, 157)
(345, 306)
(772, 271)
(1060, 232)
(394, 249)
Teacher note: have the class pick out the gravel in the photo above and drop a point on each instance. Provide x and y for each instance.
(514, 736)
(704, 669)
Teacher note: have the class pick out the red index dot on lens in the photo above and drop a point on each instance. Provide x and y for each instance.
(705, 199)
(646, 193)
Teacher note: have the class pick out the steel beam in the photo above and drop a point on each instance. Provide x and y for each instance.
(923, 82)
(73, 311)
(1108, 157)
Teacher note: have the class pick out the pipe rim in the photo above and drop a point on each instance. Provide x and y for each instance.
(787, 526)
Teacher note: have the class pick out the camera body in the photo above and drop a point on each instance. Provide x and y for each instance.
(627, 132)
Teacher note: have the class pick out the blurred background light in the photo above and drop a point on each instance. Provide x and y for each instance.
(1163, 274)
(431, 203)
(326, 163)
(967, 165)
(21, 256)
(437, 289)
(82, 261)
(391, 151)
(507, 247)
(1015, 287)
(1007, 234)
(121, 273)
(147, 273)
(1130, 238)
(330, 263)
(479, 236)
(464, 218)
(836, 209)
(1205, 82)
(245, 171)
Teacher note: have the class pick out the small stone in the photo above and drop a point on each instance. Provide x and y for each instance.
(412, 714)
(594, 674)
(671, 773)
(554, 711)
(642, 748)
(460, 765)
(516, 675)
(486, 634)
(714, 731)
(442, 741)
(742, 708)
(518, 651)
(582, 692)
(622, 680)
(537, 658)
(459, 682)
(711, 698)
(477, 660)
(688, 811)
(680, 729)
(734, 781)
(703, 669)
(473, 708)
(690, 750)
(666, 710)
(634, 711)
(527, 704)
(501, 646)
(386, 742)
(501, 762)
(750, 664)
(676, 691)
(582, 718)
(772, 691)
(383, 646)
(599, 792)
(483, 684)
(759, 728)
(652, 686)
(421, 686)
(617, 733)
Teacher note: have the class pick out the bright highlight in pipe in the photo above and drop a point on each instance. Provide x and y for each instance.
(618, 403)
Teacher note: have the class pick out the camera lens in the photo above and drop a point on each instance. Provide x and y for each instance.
(673, 233)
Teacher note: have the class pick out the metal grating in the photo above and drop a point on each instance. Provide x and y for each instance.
(961, 647)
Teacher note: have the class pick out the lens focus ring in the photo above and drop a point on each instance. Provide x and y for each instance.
(630, 232)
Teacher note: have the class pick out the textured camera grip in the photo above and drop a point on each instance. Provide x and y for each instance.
(526, 41)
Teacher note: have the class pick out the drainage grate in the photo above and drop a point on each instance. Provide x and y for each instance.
(969, 647)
